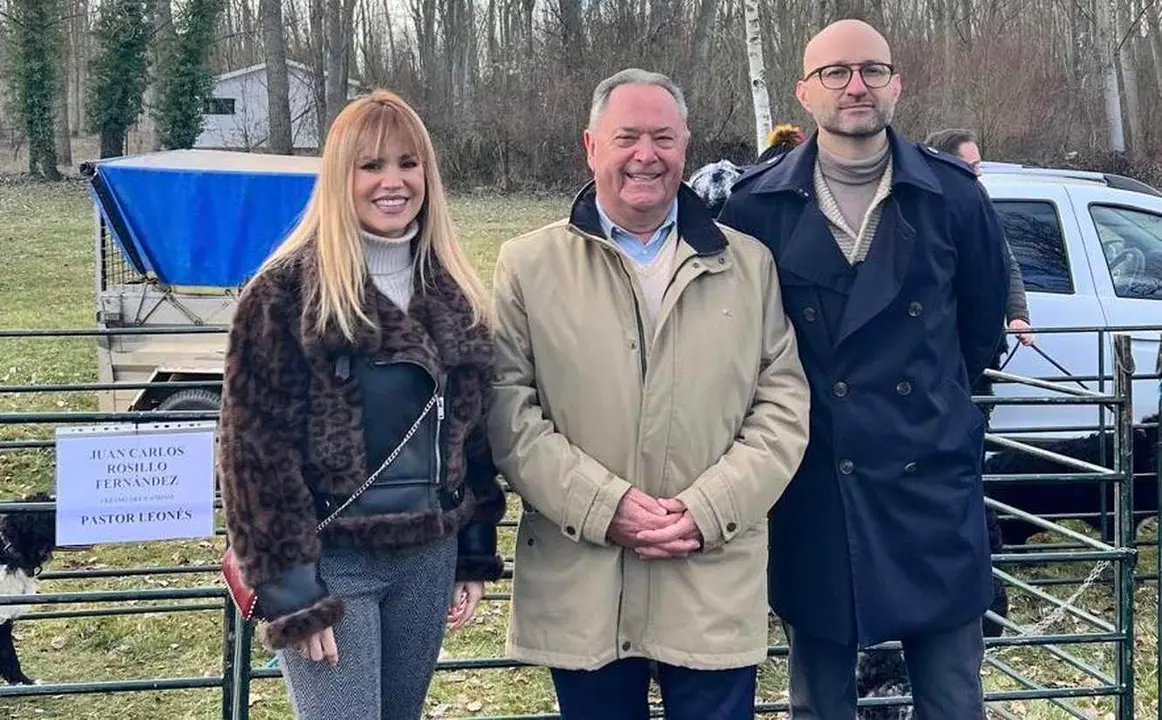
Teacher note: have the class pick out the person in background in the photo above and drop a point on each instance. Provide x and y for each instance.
(713, 181)
(964, 145)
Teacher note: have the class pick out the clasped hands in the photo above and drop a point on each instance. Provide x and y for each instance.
(656, 528)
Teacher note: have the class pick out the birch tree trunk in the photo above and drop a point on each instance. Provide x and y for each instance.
(758, 75)
(1109, 72)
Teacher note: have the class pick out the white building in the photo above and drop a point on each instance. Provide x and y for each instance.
(236, 116)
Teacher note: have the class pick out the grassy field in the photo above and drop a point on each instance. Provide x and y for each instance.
(47, 281)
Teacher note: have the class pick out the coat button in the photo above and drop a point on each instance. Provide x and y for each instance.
(904, 387)
(721, 260)
(633, 344)
(731, 527)
(910, 467)
(915, 308)
(625, 645)
(809, 314)
(570, 530)
(839, 388)
(530, 542)
(697, 264)
(846, 466)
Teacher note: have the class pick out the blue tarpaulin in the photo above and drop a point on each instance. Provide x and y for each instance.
(201, 218)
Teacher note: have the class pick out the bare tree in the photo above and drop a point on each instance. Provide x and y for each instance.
(1124, 35)
(64, 145)
(277, 79)
(317, 40)
(1109, 72)
(161, 18)
(758, 74)
(340, 19)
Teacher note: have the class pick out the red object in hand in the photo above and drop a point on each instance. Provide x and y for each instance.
(244, 596)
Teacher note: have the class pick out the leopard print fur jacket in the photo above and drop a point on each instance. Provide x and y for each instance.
(290, 425)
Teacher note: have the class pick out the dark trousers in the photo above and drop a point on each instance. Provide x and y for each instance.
(944, 669)
(619, 691)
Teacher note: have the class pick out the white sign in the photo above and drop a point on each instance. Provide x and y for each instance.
(127, 483)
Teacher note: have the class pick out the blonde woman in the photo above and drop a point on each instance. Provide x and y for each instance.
(360, 357)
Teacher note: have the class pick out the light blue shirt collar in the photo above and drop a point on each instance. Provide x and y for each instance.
(631, 244)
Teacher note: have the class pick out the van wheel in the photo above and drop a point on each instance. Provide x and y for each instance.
(192, 399)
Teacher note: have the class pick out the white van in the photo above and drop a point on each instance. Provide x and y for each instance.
(1090, 250)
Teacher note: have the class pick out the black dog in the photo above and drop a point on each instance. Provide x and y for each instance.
(1072, 498)
(27, 540)
(880, 674)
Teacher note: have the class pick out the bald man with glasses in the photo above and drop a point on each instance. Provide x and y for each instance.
(892, 270)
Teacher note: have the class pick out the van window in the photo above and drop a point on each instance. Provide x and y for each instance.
(1131, 241)
(1034, 234)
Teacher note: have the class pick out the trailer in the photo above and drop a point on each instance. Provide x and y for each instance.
(177, 235)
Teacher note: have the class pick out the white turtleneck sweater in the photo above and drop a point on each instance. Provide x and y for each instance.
(389, 262)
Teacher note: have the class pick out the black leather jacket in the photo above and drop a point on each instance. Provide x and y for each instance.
(393, 396)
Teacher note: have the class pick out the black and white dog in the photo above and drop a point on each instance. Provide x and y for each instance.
(27, 540)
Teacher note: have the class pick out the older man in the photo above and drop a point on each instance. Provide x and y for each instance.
(894, 274)
(649, 408)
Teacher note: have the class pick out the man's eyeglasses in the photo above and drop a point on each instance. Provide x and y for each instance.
(836, 77)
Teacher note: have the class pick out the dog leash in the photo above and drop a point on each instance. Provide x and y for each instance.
(1047, 357)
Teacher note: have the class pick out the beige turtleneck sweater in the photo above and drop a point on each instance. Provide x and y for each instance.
(850, 193)
(389, 263)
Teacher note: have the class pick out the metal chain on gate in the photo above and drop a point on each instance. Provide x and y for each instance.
(1059, 612)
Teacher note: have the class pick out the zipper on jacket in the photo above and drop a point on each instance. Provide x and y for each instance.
(436, 443)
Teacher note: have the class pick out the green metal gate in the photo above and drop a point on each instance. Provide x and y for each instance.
(1064, 633)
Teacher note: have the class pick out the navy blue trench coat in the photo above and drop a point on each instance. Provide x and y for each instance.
(881, 534)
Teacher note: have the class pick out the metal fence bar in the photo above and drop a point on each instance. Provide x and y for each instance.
(112, 612)
(1047, 455)
(71, 416)
(128, 572)
(1076, 662)
(230, 659)
(108, 686)
(90, 387)
(92, 596)
(1158, 550)
(1049, 478)
(1124, 521)
(1046, 525)
(237, 634)
(1055, 601)
(1043, 384)
(1036, 400)
(1012, 673)
(105, 332)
